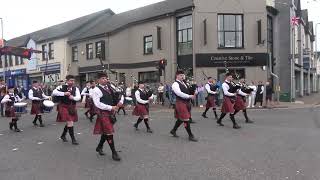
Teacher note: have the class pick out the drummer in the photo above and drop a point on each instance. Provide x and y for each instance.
(9, 99)
(37, 96)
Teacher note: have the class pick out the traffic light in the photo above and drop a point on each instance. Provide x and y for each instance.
(16, 51)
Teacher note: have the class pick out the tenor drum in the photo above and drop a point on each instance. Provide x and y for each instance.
(20, 108)
(47, 106)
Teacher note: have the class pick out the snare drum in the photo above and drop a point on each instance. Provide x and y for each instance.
(20, 108)
(47, 106)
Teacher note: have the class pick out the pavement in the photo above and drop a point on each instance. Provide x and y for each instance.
(282, 144)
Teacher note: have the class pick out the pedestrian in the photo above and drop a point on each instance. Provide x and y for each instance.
(9, 99)
(103, 97)
(240, 104)
(211, 89)
(182, 106)
(69, 95)
(269, 93)
(142, 107)
(160, 94)
(229, 97)
(259, 94)
(121, 92)
(200, 95)
(86, 95)
(252, 96)
(36, 95)
(2, 94)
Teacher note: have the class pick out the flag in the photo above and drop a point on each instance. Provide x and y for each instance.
(295, 21)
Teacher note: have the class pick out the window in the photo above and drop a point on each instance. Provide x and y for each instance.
(51, 51)
(16, 60)
(21, 60)
(159, 29)
(89, 49)
(44, 52)
(122, 78)
(148, 49)
(149, 77)
(100, 50)
(74, 53)
(230, 31)
(5, 60)
(184, 35)
(10, 61)
(1, 60)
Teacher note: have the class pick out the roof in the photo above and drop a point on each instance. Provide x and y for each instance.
(125, 19)
(59, 30)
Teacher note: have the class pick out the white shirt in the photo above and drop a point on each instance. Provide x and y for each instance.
(207, 86)
(31, 97)
(84, 91)
(57, 92)
(138, 98)
(225, 88)
(262, 89)
(97, 94)
(161, 89)
(6, 99)
(176, 89)
(254, 89)
(128, 92)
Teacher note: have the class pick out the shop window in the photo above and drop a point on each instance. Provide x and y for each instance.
(230, 31)
(149, 77)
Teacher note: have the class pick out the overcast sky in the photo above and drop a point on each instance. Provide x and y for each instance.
(21, 17)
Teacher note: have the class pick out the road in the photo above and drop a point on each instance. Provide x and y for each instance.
(281, 144)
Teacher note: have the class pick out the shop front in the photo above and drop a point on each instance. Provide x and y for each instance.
(50, 73)
(17, 78)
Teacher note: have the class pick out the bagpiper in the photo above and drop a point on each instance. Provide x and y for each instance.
(229, 98)
(69, 95)
(87, 93)
(212, 91)
(105, 101)
(240, 103)
(10, 111)
(37, 96)
(141, 109)
(183, 105)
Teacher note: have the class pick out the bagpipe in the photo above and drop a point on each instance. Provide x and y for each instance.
(246, 89)
(191, 87)
(116, 93)
(234, 87)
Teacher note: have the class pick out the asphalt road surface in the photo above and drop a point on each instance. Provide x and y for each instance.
(281, 144)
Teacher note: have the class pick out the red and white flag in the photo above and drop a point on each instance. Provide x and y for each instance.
(295, 20)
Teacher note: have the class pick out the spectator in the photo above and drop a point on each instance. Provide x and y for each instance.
(200, 95)
(252, 96)
(160, 94)
(259, 94)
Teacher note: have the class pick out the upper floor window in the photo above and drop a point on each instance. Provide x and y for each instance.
(74, 53)
(89, 50)
(51, 51)
(16, 60)
(230, 30)
(10, 60)
(100, 50)
(148, 45)
(44, 52)
(184, 35)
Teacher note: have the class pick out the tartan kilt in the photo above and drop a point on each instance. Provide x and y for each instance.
(64, 115)
(88, 103)
(103, 123)
(240, 104)
(92, 108)
(211, 102)
(182, 110)
(140, 110)
(10, 111)
(228, 105)
(37, 108)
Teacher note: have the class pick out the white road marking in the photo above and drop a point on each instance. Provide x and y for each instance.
(39, 143)
(79, 133)
(15, 149)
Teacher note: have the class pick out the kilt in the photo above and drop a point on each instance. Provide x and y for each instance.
(88, 103)
(58, 114)
(211, 102)
(103, 123)
(228, 105)
(92, 108)
(240, 104)
(182, 110)
(37, 108)
(140, 110)
(64, 115)
(10, 111)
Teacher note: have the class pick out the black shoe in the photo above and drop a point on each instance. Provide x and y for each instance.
(41, 125)
(75, 142)
(236, 126)
(149, 131)
(249, 121)
(10, 125)
(17, 130)
(64, 139)
(174, 134)
(204, 116)
(100, 151)
(136, 126)
(116, 157)
(86, 114)
(220, 123)
(192, 138)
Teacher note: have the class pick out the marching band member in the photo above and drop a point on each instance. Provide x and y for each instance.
(229, 98)
(104, 99)
(69, 95)
(87, 92)
(141, 109)
(37, 96)
(183, 105)
(10, 110)
(211, 89)
(240, 103)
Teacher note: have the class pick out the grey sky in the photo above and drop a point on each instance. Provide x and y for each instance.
(22, 17)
